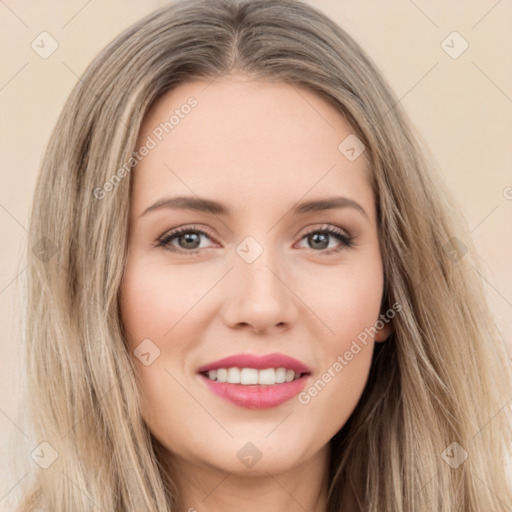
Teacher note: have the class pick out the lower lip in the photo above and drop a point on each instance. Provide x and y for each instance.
(256, 396)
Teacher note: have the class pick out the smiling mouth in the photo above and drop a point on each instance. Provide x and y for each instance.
(253, 376)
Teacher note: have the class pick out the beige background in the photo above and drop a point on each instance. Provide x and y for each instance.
(462, 107)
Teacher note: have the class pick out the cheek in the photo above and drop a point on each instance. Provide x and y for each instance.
(154, 303)
(348, 303)
(350, 307)
(153, 300)
(148, 311)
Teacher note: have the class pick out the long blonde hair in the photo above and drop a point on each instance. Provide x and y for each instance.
(442, 378)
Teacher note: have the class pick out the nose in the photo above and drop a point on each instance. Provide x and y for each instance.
(258, 296)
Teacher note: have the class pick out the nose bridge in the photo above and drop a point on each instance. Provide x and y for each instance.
(256, 265)
(258, 294)
(258, 275)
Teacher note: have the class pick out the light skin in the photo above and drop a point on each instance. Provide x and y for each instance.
(259, 148)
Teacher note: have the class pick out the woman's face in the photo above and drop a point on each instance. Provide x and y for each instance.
(253, 272)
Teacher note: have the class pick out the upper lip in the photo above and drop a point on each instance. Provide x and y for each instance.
(274, 360)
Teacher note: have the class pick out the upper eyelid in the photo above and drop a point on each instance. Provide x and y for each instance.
(186, 229)
(206, 231)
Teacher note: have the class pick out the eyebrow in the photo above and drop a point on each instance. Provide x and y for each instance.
(197, 204)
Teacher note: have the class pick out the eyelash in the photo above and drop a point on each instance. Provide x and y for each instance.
(347, 241)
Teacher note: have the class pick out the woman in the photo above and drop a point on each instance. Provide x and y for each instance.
(323, 343)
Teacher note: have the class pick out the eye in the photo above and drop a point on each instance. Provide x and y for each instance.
(188, 239)
(319, 239)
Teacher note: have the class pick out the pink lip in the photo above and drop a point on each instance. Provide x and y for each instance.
(274, 360)
(256, 396)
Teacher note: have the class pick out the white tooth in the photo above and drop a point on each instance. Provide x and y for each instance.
(267, 376)
(222, 374)
(290, 374)
(233, 376)
(280, 375)
(249, 376)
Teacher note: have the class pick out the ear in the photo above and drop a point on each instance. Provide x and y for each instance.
(384, 333)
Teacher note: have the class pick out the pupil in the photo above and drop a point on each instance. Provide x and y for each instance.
(191, 238)
(321, 238)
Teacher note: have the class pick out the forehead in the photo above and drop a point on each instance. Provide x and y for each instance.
(246, 142)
